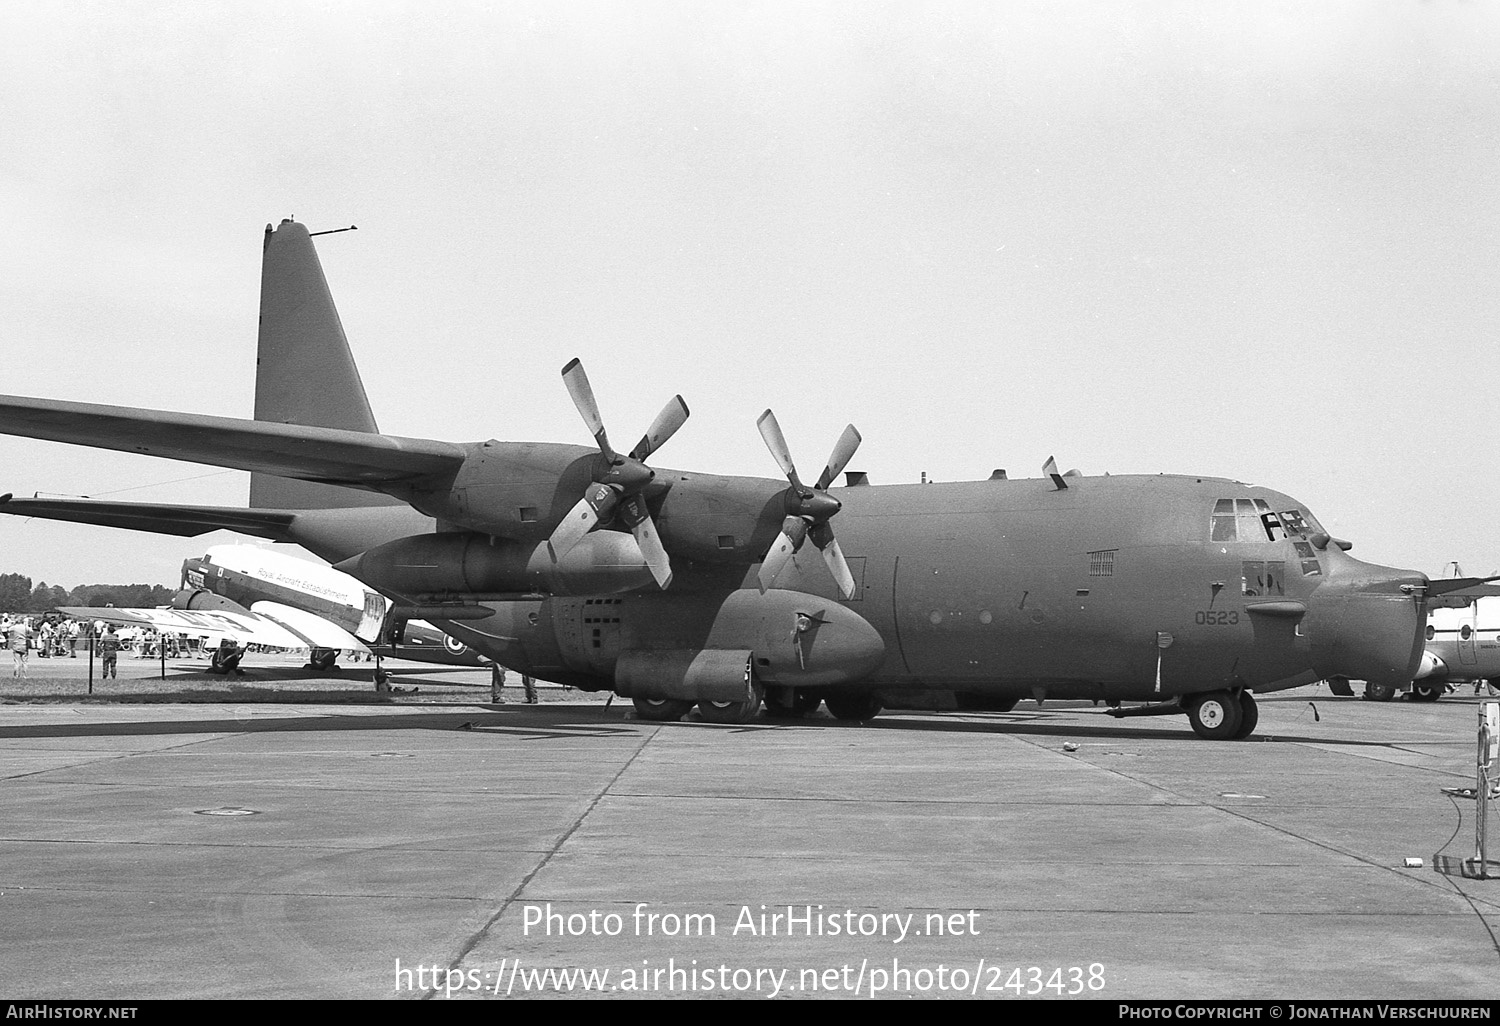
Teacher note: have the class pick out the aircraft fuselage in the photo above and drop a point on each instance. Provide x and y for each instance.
(1127, 587)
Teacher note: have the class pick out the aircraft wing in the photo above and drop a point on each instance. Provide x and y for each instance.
(330, 455)
(314, 631)
(160, 518)
(243, 628)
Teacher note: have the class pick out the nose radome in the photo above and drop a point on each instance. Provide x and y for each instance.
(1366, 622)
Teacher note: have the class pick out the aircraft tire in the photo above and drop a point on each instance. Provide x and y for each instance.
(729, 712)
(1215, 715)
(788, 703)
(661, 710)
(323, 659)
(1379, 692)
(1249, 716)
(853, 705)
(1427, 692)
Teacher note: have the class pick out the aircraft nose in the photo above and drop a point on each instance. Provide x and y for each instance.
(1367, 623)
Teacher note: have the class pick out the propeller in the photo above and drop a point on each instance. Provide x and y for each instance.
(808, 509)
(617, 488)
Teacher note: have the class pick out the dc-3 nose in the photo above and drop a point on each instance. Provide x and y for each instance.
(1367, 622)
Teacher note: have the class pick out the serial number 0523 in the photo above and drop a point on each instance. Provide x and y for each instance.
(1216, 617)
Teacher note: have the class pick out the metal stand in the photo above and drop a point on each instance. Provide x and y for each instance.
(1479, 867)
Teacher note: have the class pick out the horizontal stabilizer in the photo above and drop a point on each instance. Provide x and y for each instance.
(159, 518)
(1465, 587)
(330, 455)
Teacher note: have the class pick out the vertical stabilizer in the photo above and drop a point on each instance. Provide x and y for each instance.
(304, 372)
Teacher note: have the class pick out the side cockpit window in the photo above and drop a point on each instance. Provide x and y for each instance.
(1263, 578)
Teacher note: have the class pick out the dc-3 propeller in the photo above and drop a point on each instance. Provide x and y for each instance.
(617, 488)
(808, 509)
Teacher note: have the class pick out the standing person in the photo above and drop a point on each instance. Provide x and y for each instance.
(19, 639)
(109, 649)
(72, 639)
(497, 684)
(530, 686)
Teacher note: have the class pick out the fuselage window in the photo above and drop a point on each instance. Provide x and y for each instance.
(1263, 578)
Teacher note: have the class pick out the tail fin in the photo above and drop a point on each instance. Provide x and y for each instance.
(304, 372)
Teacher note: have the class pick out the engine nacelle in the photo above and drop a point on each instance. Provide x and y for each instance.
(203, 599)
(476, 566)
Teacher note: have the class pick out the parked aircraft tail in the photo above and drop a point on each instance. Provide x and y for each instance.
(304, 371)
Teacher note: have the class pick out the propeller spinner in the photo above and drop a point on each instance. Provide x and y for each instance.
(617, 489)
(808, 509)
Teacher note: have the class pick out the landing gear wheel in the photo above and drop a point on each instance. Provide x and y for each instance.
(322, 660)
(787, 703)
(1379, 692)
(729, 712)
(1215, 715)
(853, 705)
(1249, 716)
(661, 710)
(1427, 692)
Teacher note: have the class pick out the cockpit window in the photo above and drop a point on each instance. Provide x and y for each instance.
(1246, 520)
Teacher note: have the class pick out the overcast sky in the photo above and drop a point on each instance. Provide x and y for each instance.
(1257, 241)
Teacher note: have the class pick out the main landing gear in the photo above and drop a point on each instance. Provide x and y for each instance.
(789, 703)
(1222, 715)
(669, 710)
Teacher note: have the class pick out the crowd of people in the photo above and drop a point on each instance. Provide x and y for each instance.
(54, 637)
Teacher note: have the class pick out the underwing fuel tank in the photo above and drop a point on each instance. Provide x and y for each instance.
(1366, 622)
(476, 566)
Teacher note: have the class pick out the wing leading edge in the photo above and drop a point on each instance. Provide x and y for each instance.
(159, 518)
(330, 455)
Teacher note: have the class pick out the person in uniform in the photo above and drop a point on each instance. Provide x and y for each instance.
(109, 652)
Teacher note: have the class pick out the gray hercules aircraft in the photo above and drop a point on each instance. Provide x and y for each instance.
(586, 566)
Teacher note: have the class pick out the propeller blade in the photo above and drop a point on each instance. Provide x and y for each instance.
(775, 560)
(770, 430)
(672, 417)
(583, 398)
(822, 537)
(843, 452)
(651, 548)
(793, 531)
(596, 504)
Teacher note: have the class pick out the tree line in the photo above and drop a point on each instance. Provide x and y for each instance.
(18, 596)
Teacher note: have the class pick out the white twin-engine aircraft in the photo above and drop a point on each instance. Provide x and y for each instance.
(253, 595)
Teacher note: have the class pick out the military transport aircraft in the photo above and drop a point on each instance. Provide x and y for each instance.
(1463, 644)
(253, 595)
(589, 567)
